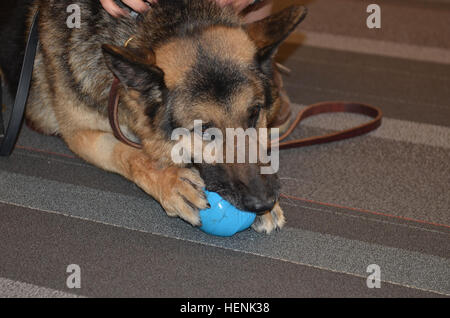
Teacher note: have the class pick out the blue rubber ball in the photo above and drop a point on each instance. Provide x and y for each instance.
(223, 219)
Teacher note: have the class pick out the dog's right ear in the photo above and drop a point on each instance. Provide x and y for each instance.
(135, 68)
(268, 34)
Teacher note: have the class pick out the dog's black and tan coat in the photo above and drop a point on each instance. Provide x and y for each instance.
(187, 60)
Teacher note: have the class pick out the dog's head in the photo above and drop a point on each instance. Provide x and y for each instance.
(219, 73)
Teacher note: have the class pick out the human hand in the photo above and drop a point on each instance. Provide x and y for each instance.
(137, 5)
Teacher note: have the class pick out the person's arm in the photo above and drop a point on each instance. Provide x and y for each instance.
(260, 11)
(238, 5)
(141, 6)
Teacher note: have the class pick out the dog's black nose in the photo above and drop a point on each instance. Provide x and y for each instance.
(257, 205)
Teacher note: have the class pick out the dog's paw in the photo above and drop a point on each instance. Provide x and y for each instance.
(182, 194)
(270, 221)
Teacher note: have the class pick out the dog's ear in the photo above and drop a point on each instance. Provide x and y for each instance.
(269, 33)
(135, 68)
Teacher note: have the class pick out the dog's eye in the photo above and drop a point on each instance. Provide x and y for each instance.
(254, 115)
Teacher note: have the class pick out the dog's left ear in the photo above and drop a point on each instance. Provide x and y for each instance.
(269, 33)
(135, 68)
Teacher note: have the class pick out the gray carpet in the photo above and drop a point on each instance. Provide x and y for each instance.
(15, 289)
(377, 199)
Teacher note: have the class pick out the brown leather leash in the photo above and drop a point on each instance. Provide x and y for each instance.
(332, 107)
(312, 110)
(113, 114)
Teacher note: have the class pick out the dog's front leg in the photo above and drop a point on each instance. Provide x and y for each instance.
(179, 190)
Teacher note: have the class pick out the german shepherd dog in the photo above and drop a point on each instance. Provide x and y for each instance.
(186, 60)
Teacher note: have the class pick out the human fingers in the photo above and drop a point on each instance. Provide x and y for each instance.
(136, 5)
(112, 8)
